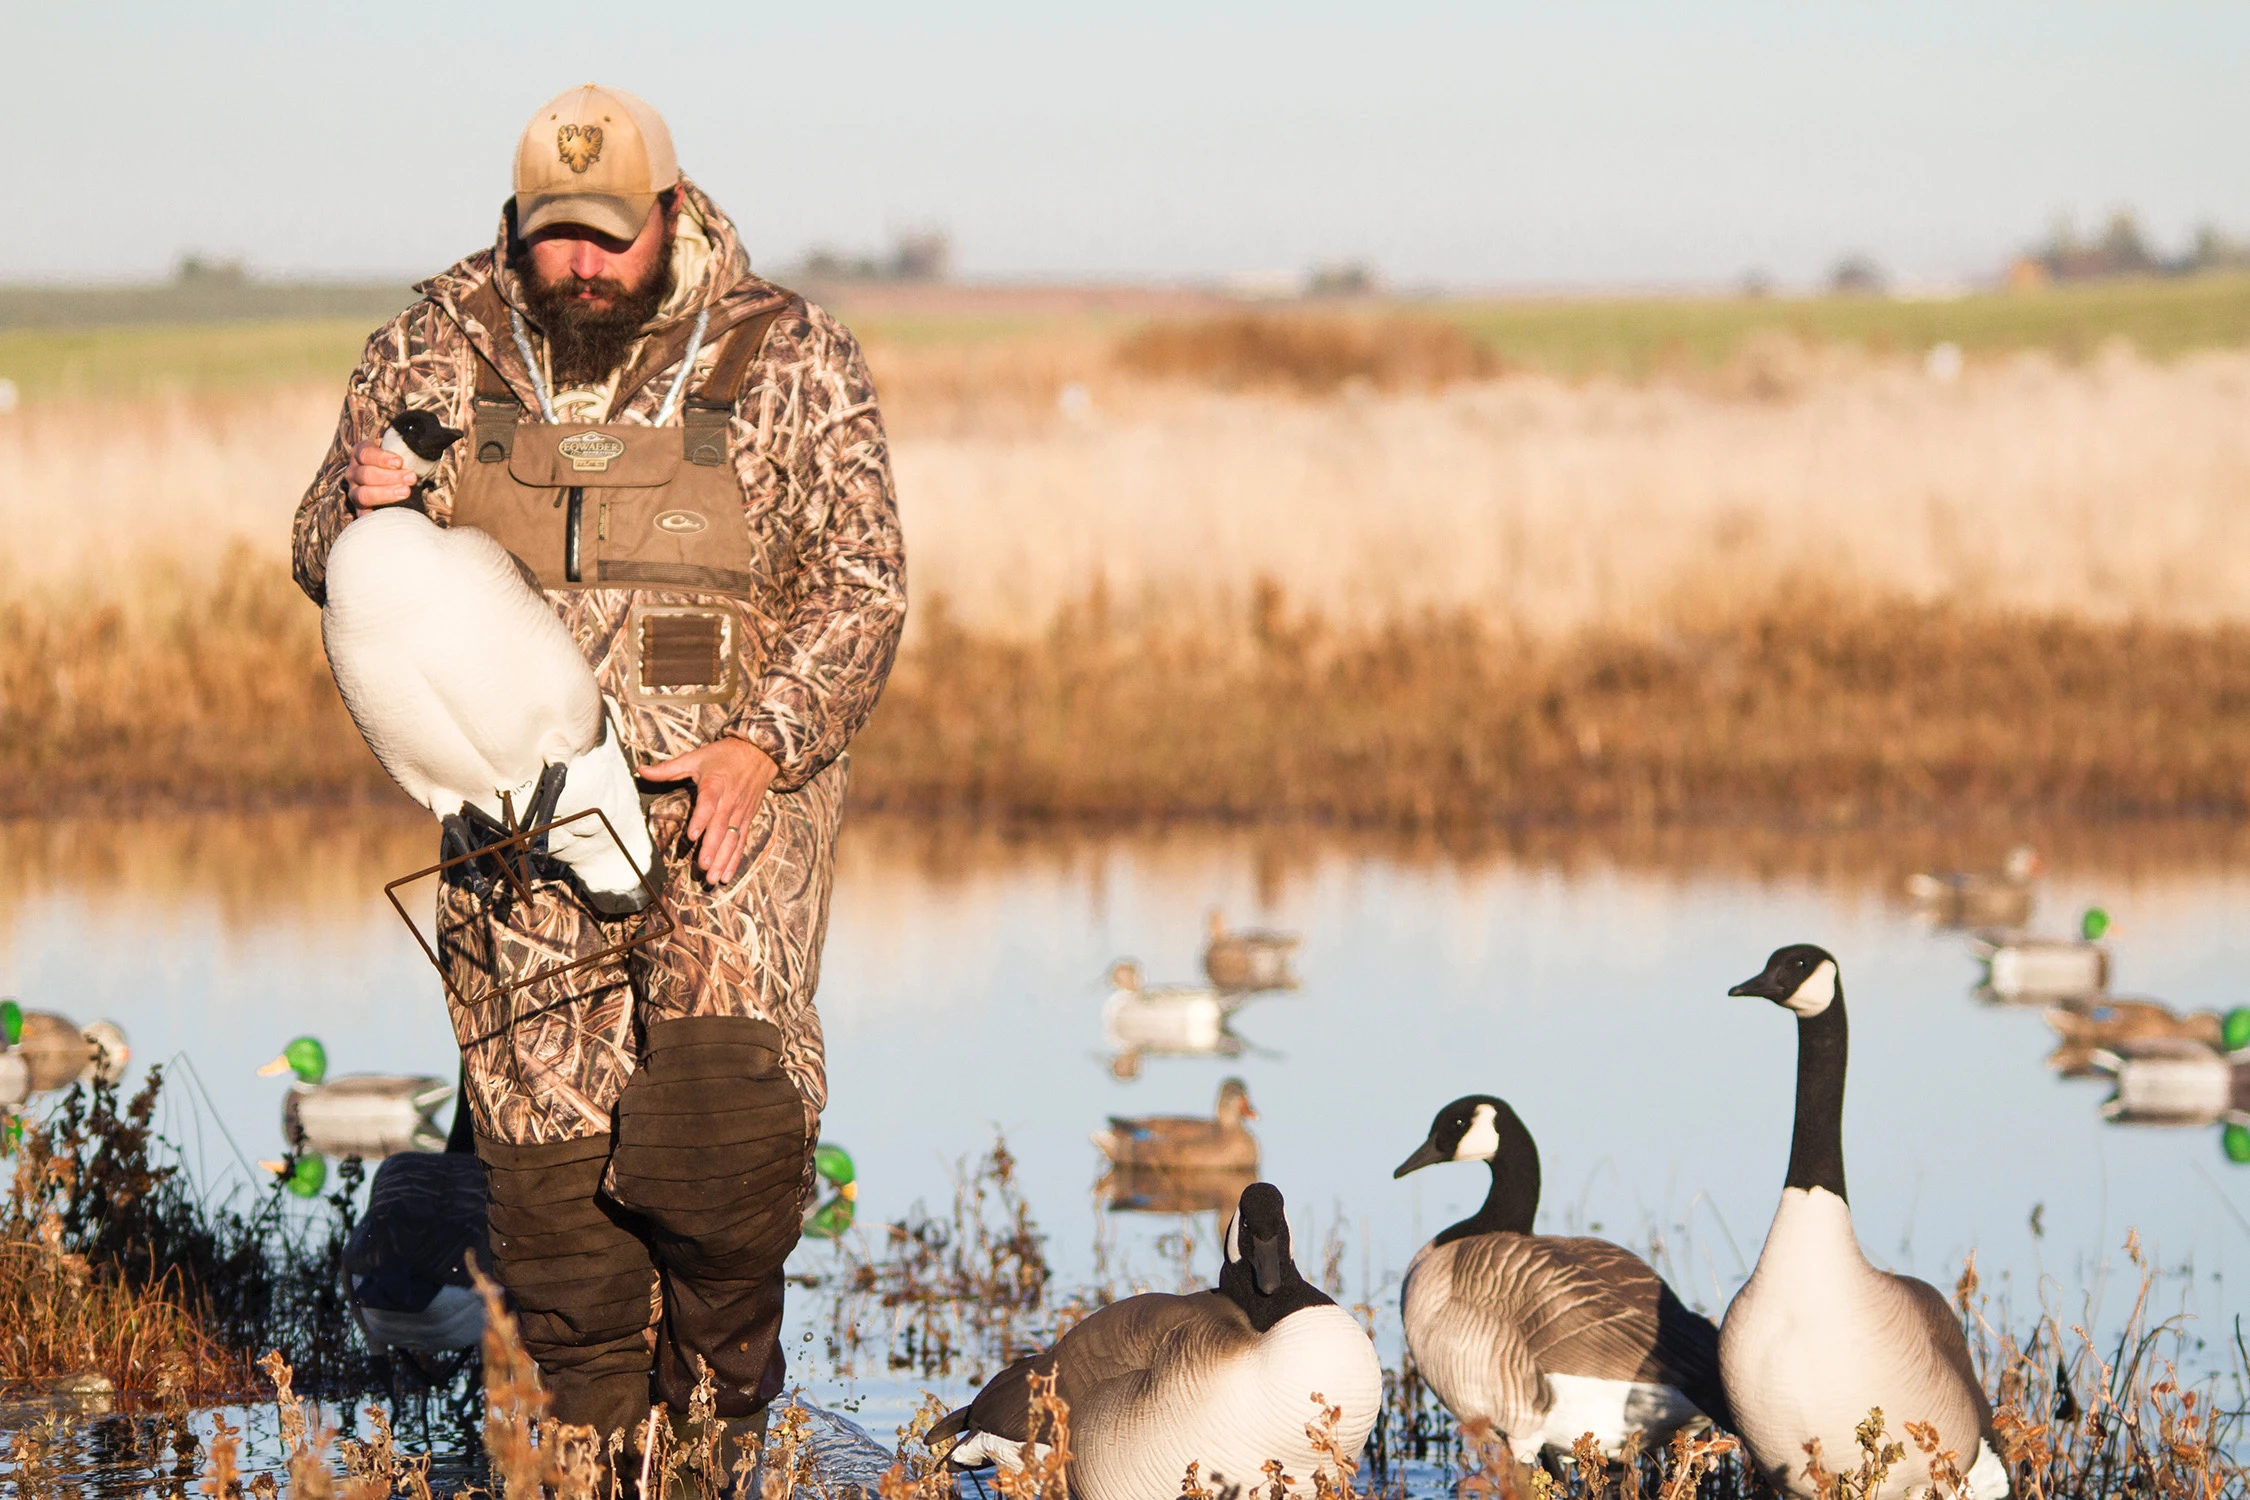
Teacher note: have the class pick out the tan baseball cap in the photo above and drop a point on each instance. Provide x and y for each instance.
(596, 157)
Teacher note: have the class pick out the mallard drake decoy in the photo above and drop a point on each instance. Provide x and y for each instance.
(1187, 1020)
(1546, 1337)
(41, 1052)
(1165, 1190)
(1970, 899)
(2175, 1081)
(370, 1115)
(1249, 960)
(1224, 1379)
(2088, 1027)
(1818, 1337)
(2027, 968)
(1220, 1143)
(829, 1220)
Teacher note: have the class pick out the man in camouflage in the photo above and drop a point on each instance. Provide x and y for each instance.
(648, 1121)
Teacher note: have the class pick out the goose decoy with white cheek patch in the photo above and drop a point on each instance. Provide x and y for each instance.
(1817, 1338)
(1544, 1336)
(1224, 1379)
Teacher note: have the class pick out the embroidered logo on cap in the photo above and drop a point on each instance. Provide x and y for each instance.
(580, 146)
(683, 522)
(590, 450)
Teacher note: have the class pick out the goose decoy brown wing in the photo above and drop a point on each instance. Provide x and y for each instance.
(1588, 1307)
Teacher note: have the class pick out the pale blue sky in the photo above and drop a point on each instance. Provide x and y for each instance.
(1559, 143)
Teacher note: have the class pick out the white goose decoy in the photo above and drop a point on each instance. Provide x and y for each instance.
(1818, 1337)
(1546, 1337)
(1224, 1379)
(1249, 960)
(370, 1115)
(466, 685)
(2027, 968)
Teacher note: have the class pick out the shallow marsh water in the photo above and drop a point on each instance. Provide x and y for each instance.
(1586, 983)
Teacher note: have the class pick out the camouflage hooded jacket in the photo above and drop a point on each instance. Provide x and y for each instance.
(807, 445)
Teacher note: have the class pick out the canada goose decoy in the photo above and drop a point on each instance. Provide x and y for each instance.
(2026, 968)
(2087, 1029)
(41, 1052)
(829, 1220)
(1223, 1379)
(1546, 1337)
(1818, 1337)
(371, 1115)
(1964, 899)
(1249, 960)
(1178, 1020)
(406, 1265)
(474, 697)
(1187, 1142)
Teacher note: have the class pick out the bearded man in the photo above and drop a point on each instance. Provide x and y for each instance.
(689, 461)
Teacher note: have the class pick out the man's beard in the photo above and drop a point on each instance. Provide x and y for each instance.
(587, 340)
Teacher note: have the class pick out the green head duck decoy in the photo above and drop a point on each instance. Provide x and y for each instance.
(2027, 968)
(41, 1052)
(829, 1220)
(371, 1115)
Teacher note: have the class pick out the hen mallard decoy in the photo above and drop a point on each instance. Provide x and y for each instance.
(1249, 960)
(1818, 1337)
(1999, 899)
(2028, 968)
(41, 1052)
(1222, 1379)
(2088, 1028)
(1187, 1142)
(1163, 1190)
(1546, 1337)
(370, 1115)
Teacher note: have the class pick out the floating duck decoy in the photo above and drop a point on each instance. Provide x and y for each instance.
(1546, 1337)
(1178, 1020)
(1223, 1379)
(2025, 968)
(41, 1052)
(1818, 1337)
(1164, 1190)
(2175, 1081)
(1221, 1142)
(1973, 899)
(370, 1115)
(1249, 960)
(2087, 1028)
(509, 735)
(829, 1220)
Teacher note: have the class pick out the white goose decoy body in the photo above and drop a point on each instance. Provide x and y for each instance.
(467, 685)
(1544, 1336)
(1818, 1337)
(1224, 1379)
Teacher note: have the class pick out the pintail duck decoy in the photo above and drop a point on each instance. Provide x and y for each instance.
(1223, 1379)
(1546, 1337)
(1818, 1337)
(1249, 959)
(41, 1052)
(1221, 1142)
(2029, 968)
(406, 1265)
(1178, 1020)
(1999, 900)
(370, 1115)
(2087, 1029)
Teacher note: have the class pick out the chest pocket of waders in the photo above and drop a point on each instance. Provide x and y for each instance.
(618, 505)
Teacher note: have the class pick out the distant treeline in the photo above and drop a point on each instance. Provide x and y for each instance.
(200, 293)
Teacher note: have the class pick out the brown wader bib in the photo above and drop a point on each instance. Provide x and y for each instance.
(699, 1188)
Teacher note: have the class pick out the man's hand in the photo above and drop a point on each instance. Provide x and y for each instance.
(730, 775)
(376, 477)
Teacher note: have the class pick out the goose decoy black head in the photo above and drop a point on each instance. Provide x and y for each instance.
(1468, 1129)
(1258, 1239)
(1801, 978)
(424, 438)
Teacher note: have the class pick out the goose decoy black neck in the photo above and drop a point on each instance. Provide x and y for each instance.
(1260, 1276)
(1482, 1128)
(1805, 980)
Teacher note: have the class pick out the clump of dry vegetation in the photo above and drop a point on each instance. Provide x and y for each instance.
(1307, 354)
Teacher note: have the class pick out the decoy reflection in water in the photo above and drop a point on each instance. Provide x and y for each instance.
(370, 1115)
(1168, 1190)
(1546, 1337)
(2088, 1027)
(406, 1266)
(1223, 1379)
(1248, 960)
(2040, 969)
(41, 1052)
(1219, 1142)
(1172, 1020)
(1818, 1337)
(833, 1165)
(1999, 899)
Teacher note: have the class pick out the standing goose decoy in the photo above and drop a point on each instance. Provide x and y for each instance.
(1249, 960)
(1546, 1337)
(370, 1115)
(1818, 1337)
(1187, 1142)
(406, 1265)
(1224, 1379)
(2027, 968)
(1971, 899)
(473, 696)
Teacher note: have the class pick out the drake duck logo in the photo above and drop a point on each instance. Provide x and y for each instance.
(590, 450)
(580, 146)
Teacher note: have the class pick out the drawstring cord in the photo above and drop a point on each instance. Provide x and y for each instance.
(538, 381)
(687, 363)
(671, 396)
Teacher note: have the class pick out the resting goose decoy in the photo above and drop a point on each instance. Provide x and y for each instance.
(370, 1115)
(1249, 960)
(406, 1265)
(471, 693)
(1187, 1142)
(1546, 1337)
(2027, 968)
(41, 1052)
(1970, 899)
(1818, 1337)
(1223, 1379)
